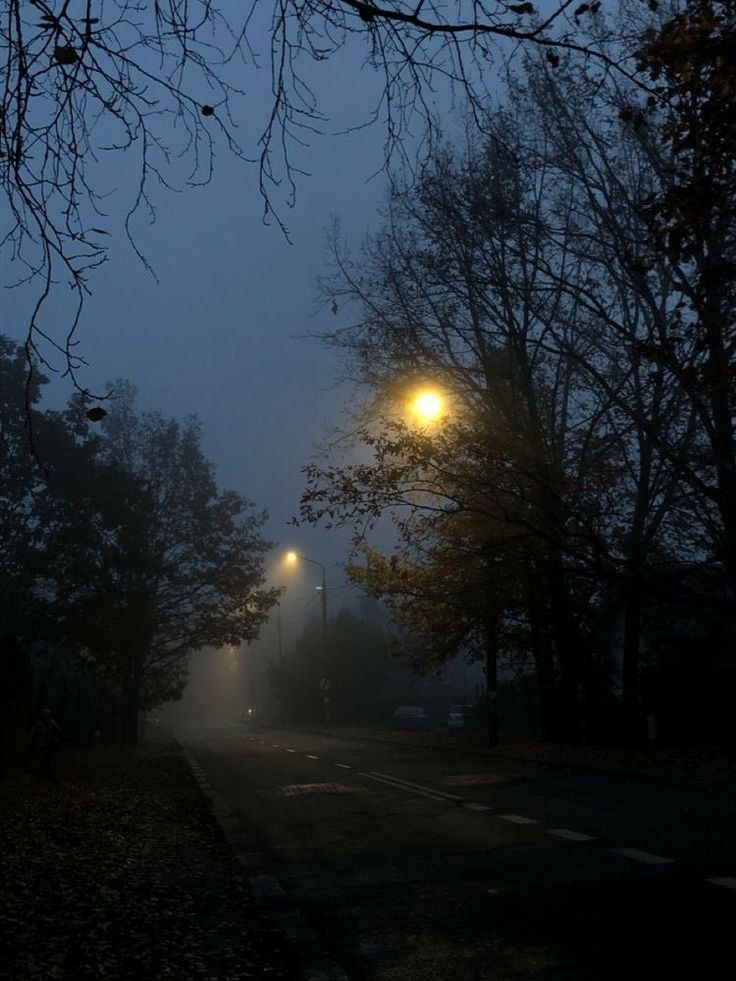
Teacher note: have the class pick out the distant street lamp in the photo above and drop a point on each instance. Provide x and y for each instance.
(293, 558)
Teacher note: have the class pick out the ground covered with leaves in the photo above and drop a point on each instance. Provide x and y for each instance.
(117, 871)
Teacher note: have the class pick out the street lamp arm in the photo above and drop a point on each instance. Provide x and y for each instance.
(305, 558)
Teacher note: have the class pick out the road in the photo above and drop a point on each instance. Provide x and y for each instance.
(412, 863)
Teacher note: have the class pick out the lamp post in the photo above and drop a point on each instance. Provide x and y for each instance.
(293, 558)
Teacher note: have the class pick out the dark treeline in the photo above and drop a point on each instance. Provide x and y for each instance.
(120, 556)
(566, 279)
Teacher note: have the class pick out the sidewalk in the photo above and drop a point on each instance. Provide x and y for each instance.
(119, 872)
(693, 768)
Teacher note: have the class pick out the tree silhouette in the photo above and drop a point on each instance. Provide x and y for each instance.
(164, 81)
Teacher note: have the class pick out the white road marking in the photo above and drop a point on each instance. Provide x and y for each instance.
(290, 750)
(310, 757)
(299, 789)
(518, 819)
(472, 806)
(275, 746)
(729, 882)
(413, 788)
(639, 856)
(344, 766)
(569, 835)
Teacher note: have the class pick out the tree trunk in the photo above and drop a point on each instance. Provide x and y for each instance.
(630, 658)
(543, 662)
(568, 655)
(15, 704)
(724, 452)
(491, 659)
(132, 700)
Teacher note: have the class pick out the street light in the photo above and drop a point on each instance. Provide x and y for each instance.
(428, 405)
(293, 558)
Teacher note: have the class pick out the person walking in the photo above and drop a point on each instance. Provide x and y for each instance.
(45, 739)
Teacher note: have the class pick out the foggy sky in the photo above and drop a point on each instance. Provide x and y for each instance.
(221, 333)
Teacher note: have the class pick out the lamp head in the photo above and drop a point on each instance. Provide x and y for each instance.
(428, 406)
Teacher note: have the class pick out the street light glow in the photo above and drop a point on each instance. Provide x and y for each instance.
(291, 558)
(428, 406)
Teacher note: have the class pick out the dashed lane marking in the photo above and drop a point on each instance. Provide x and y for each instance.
(275, 746)
(310, 757)
(518, 819)
(570, 835)
(727, 881)
(288, 750)
(472, 806)
(639, 856)
(344, 766)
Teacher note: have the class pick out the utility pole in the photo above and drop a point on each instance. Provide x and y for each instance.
(326, 689)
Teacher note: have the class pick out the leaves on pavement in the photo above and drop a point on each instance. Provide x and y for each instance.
(118, 871)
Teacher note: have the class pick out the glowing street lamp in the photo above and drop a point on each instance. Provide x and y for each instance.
(428, 406)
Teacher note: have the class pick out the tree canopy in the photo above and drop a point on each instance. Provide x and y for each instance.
(122, 551)
(586, 356)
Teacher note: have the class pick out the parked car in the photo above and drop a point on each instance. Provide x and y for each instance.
(461, 717)
(409, 717)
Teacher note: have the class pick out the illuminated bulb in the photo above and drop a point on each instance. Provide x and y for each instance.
(428, 406)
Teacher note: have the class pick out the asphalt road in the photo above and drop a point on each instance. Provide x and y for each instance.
(422, 864)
